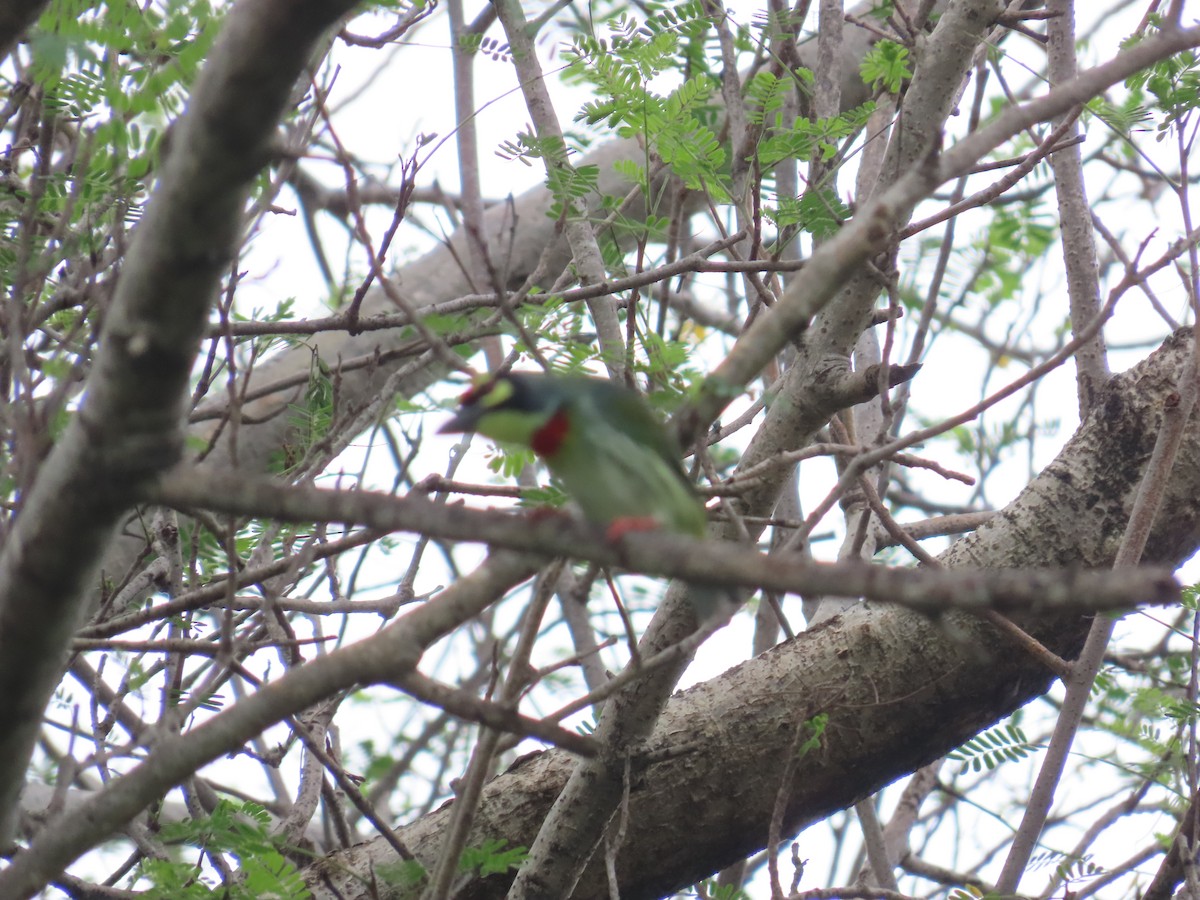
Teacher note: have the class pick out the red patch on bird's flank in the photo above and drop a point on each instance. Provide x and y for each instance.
(618, 528)
(548, 439)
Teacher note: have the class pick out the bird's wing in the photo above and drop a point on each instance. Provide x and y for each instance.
(629, 411)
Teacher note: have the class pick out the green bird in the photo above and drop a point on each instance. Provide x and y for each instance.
(599, 439)
(612, 455)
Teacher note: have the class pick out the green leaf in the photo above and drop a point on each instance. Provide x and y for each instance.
(886, 66)
(490, 858)
(818, 212)
(1006, 743)
(814, 730)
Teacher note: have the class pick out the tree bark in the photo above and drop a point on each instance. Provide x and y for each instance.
(900, 689)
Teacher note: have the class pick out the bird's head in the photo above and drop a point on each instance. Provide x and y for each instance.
(518, 408)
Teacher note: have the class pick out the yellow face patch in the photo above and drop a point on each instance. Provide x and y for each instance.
(487, 392)
(496, 407)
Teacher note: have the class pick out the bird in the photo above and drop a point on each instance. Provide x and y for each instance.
(598, 438)
(612, 455)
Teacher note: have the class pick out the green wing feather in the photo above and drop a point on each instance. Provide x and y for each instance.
(630, 412)
(619, 461)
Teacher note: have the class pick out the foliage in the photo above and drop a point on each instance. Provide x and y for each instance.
(711, 890)
(717, 226)
(675, 125)
(492, 857)
(808, 138)
(885, 67)
(1173, 85)
(993, 747)
(241, 830)
(819, 213)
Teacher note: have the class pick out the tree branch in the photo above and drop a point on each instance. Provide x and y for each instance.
(128, 427)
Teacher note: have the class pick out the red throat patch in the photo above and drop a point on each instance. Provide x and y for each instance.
(548, 439)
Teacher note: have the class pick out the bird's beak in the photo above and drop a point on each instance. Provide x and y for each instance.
(463, 421)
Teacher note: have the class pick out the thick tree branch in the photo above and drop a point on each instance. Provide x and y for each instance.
(392, 654)
(949, 674)
(931, 591)
(15, 17)
(874, 228)
(573, 830)
(932, 684)
(128, 427)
